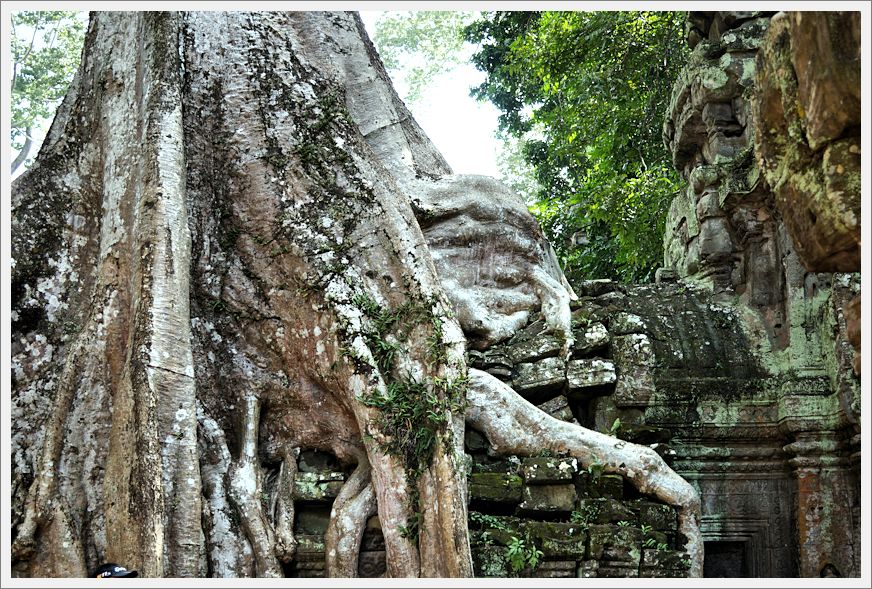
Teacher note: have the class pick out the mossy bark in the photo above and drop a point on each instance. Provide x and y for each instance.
(219, 203)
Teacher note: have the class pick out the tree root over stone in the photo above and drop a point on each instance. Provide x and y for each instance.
(351, 508)
(515, 426)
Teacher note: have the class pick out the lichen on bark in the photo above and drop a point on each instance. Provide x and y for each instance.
(236, 240)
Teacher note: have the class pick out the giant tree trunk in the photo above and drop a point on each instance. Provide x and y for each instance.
(217, 262)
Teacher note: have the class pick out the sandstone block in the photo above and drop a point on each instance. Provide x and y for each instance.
(495, 487)
(540, 471)
(543, 345)
(606, 485)
(657, 515)
(547, 499)
(590, 338)
(317, 486)
(589, 373)
(634, 366)
(538, 379)
(621, 544)
(559, 540)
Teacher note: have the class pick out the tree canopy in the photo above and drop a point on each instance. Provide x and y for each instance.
(585, 93)
(45, 48)
(421, 44)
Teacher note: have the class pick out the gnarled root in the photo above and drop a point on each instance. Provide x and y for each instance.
(283, 506)
(514, 426)
(352, 507)
(43, 508)
(391, 490)
(245, 492)
(228, 553)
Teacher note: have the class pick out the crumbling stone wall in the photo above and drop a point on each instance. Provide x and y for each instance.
(721, 229)
(761, 127)
(808, 139)
(584, 523)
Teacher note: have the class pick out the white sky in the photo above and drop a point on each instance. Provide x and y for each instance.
(461, 127)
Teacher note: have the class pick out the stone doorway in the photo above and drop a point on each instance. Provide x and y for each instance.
(725, 559)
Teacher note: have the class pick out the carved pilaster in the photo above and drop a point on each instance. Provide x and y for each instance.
(825, 500)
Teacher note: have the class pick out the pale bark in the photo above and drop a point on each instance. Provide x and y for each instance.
(23, 152)
(216, 198)
(352, 507)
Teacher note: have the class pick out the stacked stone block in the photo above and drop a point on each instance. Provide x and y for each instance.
(586, 524)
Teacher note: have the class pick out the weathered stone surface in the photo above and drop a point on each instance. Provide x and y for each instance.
(493, 361)
(714, 238)
(808, 105)
(372, 564)
(309, 559)
(597, 287)
(559, 540)
(587, 569)
(547, 499)
(555, 569)
(474, 441)
(372, 542)
(615, 543)
(590, 338)
(617, 570)
(634, 364)
(623, 323)
(540, 471)
(665, 275)
(314, 461)
(663, 563)
(607, 485)
(495, 487)
(489, 561)
(312, 520)
(852, 321)
(558, 407)
(658, 516)
(317, 486)
(605, 510)
(542, 345)
(500, 530)
(589, 373)
(540, 379)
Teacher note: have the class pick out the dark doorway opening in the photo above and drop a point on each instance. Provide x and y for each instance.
(725, 559)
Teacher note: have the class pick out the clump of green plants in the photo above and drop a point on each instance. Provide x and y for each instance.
(522, 553)
(487, 521)
(413, 413)
(595, 468)
(586, 514)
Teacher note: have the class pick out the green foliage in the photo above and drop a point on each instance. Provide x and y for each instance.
(485, 521)
(588, 513)
(595, 468)
(412, 414)
(421, 45)
(522, 553)
(45, 49)
(586, 93)
(616, 427)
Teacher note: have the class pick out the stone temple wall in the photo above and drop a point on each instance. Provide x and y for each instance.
(584, 523)
(764, 127)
